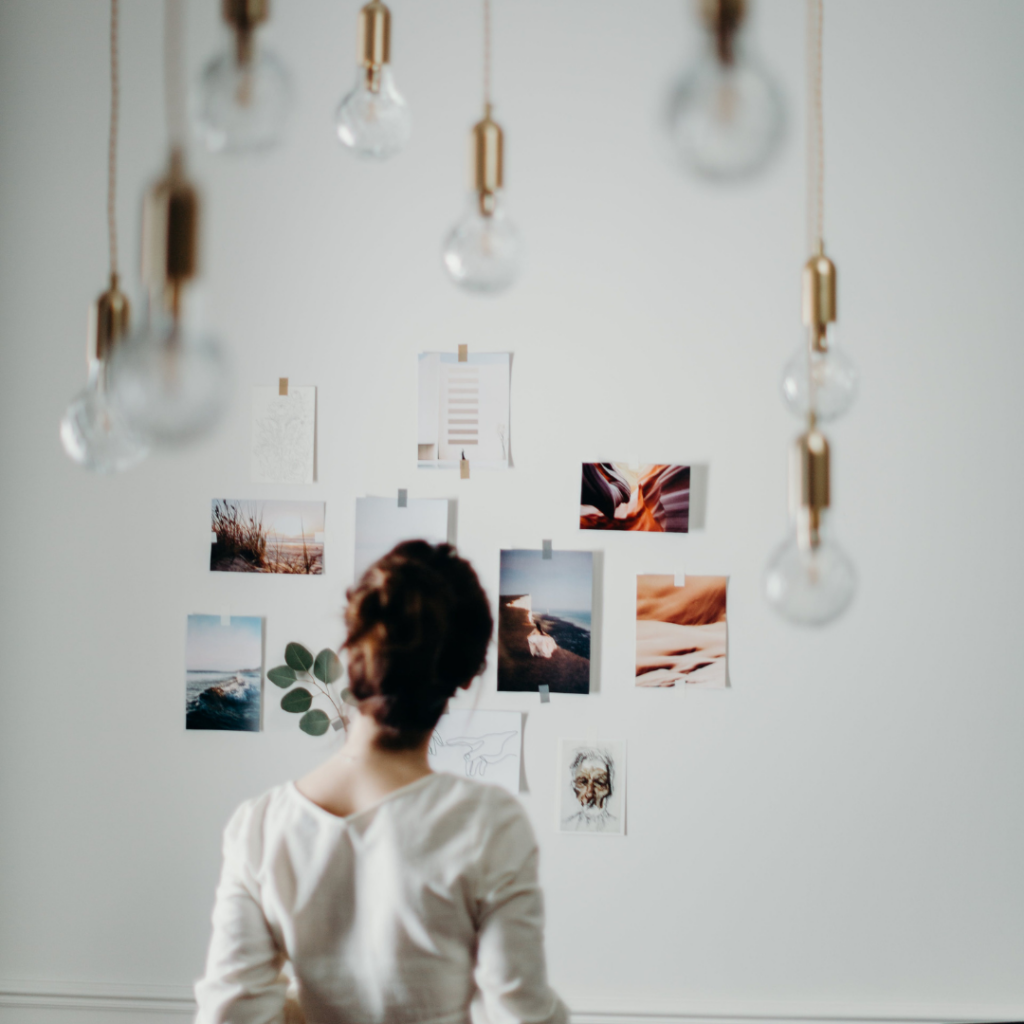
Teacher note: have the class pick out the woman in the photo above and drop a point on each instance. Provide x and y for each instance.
(396, 895)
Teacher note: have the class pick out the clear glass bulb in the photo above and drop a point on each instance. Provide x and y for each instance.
(243, 104)
(810, 586)
(169, 382)
(95, 434)
(373, 119)
(834, 378)
(725, 119)
(481, 253)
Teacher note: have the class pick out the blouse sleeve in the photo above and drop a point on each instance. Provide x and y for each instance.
(511, 971)
(243, 982)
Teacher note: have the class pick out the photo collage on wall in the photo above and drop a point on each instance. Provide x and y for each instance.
(545, 610)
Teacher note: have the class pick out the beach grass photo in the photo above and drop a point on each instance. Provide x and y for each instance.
(652, 498)
(681, 631)
(267, 536)
(223, 672)
(544, 609)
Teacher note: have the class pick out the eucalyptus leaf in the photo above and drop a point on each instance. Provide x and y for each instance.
(314, 722)
(298, 658)
(296, 701)
(282, 676)
(327, 667)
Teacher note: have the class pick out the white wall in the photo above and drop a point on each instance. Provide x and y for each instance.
(841, 833)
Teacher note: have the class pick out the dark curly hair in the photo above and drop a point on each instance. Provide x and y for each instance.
(418, 628)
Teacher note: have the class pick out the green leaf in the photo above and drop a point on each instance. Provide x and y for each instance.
(314, 722)
(282, 676)
(327, 667)
(298, 658)
(297, 701)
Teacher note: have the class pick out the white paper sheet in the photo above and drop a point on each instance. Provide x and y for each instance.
(283, 435)
(483, 745)
(463, 410)
(381, 524)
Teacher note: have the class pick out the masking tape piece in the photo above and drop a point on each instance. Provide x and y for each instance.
(463, 353)
(213, 537)
(546, 550)
(337, 724)
(282, 385)
(464, 469)
(225, 618)
(680, 579)
(318, 537)
(545, 693)
(403, 498)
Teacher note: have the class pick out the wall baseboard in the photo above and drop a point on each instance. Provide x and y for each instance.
(176, 1001)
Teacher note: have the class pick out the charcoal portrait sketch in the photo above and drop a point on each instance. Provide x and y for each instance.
(652, 499)
(592, 787)
(681, 631)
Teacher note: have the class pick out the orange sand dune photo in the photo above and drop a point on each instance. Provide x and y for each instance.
(681, 631)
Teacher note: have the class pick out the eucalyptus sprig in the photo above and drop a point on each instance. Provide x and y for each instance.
(320, 672)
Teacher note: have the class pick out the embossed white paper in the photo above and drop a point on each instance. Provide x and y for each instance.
(283, 435)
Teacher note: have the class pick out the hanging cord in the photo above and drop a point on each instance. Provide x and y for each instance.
(487, 56)
(815, 174)
(174, 73)
(115, 102)
(815, 130)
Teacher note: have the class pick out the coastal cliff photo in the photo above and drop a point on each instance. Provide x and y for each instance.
(544, 612)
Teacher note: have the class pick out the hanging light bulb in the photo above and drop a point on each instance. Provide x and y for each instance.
(725, 116)
(481, 253)
(245, 91)
(819, 367)
(170, 382)
(93, 432)
(810, 580)
(373, 119)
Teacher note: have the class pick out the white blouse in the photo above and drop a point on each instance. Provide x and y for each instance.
(422, 908)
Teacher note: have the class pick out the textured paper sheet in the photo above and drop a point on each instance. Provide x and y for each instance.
(283, 435)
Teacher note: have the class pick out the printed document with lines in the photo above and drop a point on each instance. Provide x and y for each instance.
(464, 410)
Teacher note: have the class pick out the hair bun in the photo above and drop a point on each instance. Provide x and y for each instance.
(418, 628)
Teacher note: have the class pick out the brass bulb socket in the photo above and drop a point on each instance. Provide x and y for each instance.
(819, 299)
(109, 321)
(170, 234)
(487, 161)
(809, 485)
(244, 16)
(723, 19)
(374, 45)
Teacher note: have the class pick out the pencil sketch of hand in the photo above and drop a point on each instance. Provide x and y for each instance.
(483, 750)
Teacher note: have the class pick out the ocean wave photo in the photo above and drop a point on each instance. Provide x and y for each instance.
(215, 700)
(223, 672)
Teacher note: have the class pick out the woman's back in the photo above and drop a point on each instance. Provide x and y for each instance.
(405, 911)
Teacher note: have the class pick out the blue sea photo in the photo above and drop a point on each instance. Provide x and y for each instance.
(223, 672)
